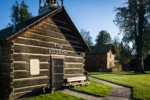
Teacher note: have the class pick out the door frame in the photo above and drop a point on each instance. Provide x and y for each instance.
(52, 68)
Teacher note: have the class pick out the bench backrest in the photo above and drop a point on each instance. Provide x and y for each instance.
(76, 79)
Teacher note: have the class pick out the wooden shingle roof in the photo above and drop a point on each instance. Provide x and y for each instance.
(102, 49)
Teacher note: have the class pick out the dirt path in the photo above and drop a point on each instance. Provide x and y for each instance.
(118, 93)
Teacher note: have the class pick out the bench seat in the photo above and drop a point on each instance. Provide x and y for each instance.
(76, 81)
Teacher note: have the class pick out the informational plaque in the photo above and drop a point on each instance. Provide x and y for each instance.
(34, 67)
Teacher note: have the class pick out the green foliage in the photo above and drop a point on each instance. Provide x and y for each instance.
(86, 36)
(15, 12)
(116, 44)
(139, 82)
(95, 88)
(103, 38)
(125, 53)
(133, 21)
(20, 12)
(54, 96)
(24, 13)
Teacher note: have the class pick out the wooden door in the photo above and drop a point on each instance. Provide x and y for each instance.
(58, 73)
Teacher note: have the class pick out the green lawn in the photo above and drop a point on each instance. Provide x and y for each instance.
(95, 88)
(139, 82)
(54, 96)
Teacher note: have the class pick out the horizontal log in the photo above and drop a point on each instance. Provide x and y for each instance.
(20, 57)
(21, 66)
(56, 22)
(45, 66)
(75, 60)
(60, 21)
(46, 38)
(69, 37)
(72, 75)
(38, 50)
(17, 95)
(29, 88)
(26, 74)
(50, 33)
(74, 71)
(59, 17)
(26, 66)
(51, 27)
(21, 74)
(30, 81)
(46, 44)
(57, 25)
(61, 34)
(74, 65)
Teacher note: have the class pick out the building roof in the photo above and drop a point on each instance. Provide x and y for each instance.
(8, 35)
(102, 49)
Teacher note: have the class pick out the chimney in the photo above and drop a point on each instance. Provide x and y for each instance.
(14, 24)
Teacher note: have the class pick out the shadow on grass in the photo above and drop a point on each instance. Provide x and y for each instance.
(30, 94)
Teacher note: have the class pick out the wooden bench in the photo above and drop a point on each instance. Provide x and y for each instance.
(76, 81)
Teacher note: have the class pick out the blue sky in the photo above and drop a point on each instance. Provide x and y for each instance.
(91, 15)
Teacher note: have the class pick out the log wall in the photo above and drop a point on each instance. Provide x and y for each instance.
(35, 44)
(6, 70)
(96, 62)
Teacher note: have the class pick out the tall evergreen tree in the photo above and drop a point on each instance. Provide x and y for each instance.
(132, 20)
(103, 38)
(24, 12)
(15, 12)
(20, 12)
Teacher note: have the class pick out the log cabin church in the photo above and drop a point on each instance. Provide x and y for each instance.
(42, 51)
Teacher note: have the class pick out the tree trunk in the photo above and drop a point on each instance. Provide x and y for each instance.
(141, 13)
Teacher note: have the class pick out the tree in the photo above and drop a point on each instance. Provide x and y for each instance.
(24, 13)
(116, 43)
(15, 12)
(20, 12)
(103, 38)
(86, 36)
(125, 53)
(132, 20)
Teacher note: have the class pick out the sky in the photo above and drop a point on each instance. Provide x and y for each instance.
(90, 15)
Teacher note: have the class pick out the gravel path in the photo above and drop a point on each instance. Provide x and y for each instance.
(118, 93)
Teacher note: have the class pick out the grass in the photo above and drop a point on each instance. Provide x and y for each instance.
(139, 82)
(54, 96)
(95, 88)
